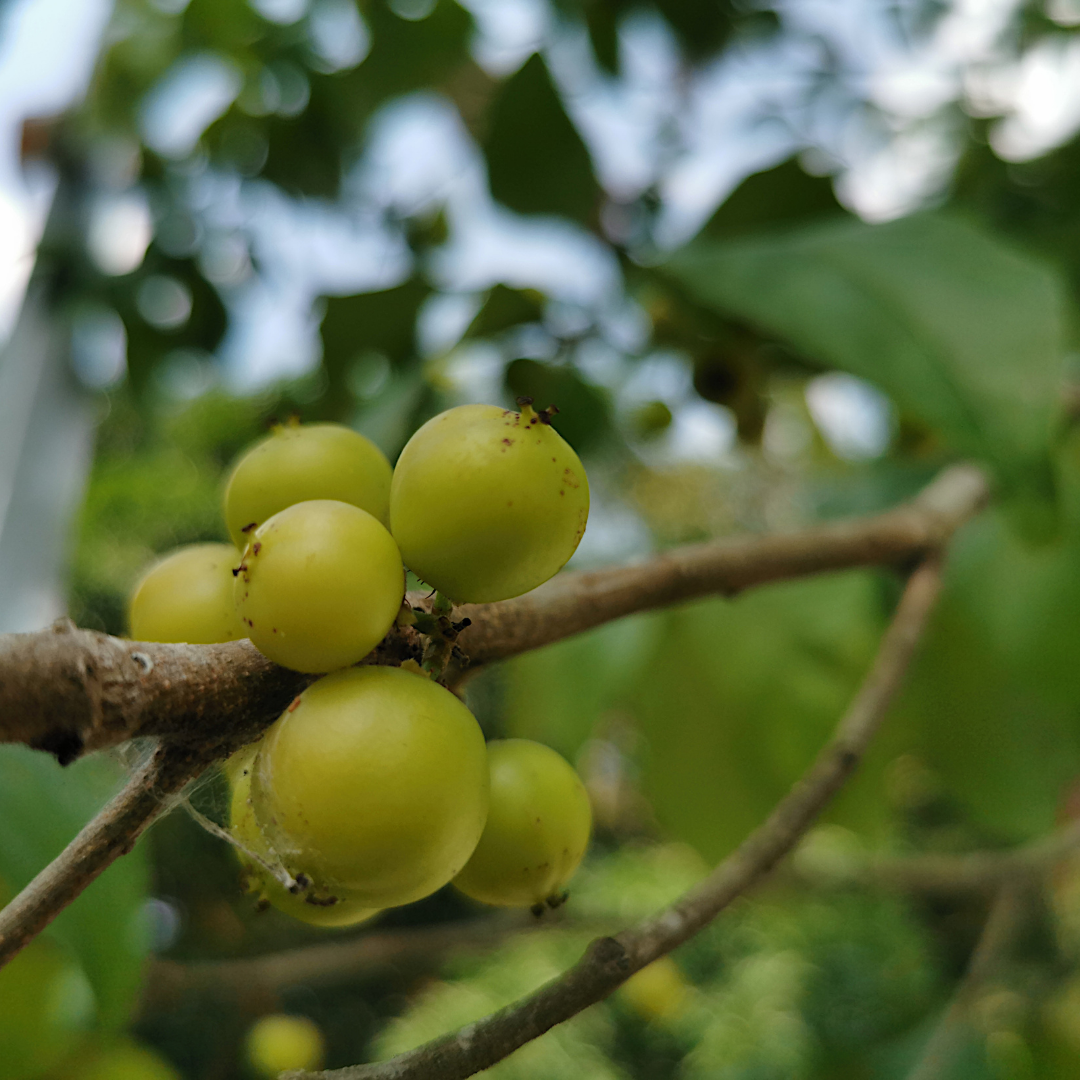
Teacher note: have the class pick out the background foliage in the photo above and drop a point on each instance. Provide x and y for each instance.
(695, 378)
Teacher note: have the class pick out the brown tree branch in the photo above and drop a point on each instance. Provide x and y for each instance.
(609, 961)
(70, 691)
(109, 835)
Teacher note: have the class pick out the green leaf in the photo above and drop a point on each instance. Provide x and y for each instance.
(738, 697)
(992, 697)
(505, 307)
(962, 330)
(559, 694)
(353, 326)
(584, 417)
(785, 194)
(42, 807)
(537, 163)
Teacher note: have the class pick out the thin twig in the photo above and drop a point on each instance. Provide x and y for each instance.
(70, 691)
(611, 960)
(342, 957)
(1006, 918)
(109, 835)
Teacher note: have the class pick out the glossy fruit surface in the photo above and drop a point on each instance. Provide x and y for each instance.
(315, 906)
(487, 503)
(279, 1042)
(188, 596)
(374, 780)
(319, 586)
(537, 830)
(299, 462)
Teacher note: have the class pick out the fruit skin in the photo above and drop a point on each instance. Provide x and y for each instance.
(279, 1042)
(374, 780)
(345, 910)
(319, 586)
(486, 503)
(188, 596)
(537, 830)
(299, 462)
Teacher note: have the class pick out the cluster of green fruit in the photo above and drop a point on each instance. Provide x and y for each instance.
(375, 787)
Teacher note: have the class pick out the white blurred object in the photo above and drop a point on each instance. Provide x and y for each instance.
(855, 418)
(1045, 107)
(98, 346)
(188, 98)
(282, 12)
(338, 34)
(46, 439)
(119, 232)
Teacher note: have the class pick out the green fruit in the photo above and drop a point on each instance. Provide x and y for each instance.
(312, 905)
(537, 829)
(126, 1061)
(278, 1043)
(188, 596)
(374, 780)
(297, 463)
(45, 1002)
(319, 586)
(487, 503)
(659, 991)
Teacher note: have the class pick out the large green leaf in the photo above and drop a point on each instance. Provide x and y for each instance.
(42, 807)
(537, 163)
(738, 696)
(962, 330)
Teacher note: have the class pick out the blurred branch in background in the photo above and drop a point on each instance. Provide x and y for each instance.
(1009, 912)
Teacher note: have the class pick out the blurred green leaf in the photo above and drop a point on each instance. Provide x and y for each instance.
(42, 807)
(537, 163)
(503, 308)
(559, 694)
(584, 418)
(782, 195)
(962, 330)
(353, 326)
(738, 696)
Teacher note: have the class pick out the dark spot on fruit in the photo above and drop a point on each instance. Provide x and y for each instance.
(251, 525)
(321, 901)
(552, 459)
(509, 502)
(537, 910)
(257, 548)
(508, 442)
(273, 629)
(561, 492)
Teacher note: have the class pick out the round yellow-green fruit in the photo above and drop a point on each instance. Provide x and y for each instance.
(487, 503)
(659, 991)
(45, 1003)
(374, 780)
(537, 829)
(124, 1061)
(300, 462)
(312, 905)
(188, 596)
(320, 584)
(279, 1043)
